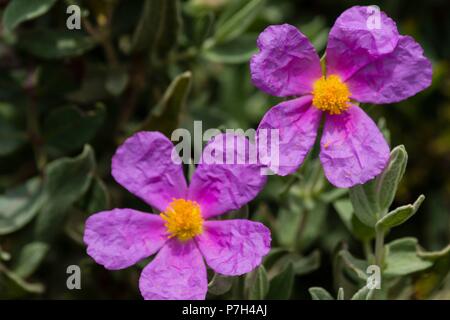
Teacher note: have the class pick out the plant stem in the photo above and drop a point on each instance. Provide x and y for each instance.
(34, 131)
(379, 246)
(367, 250)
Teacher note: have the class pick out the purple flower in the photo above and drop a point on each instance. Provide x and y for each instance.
(365, 63)
(147, 167)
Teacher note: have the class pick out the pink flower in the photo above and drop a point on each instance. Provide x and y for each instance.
(120, 238)
(365, 63)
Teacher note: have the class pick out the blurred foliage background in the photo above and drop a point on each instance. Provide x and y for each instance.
(68, 98)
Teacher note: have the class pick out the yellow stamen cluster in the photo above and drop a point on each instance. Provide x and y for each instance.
(330, 94)
(183, 219)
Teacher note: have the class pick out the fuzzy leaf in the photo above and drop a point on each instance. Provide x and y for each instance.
(403, 259)
(166, 115)
(257, 284)
(400, 215)
(19, 205)
(67, 179)
(281, 285)
(318, 293)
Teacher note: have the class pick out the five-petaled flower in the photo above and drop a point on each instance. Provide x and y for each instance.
(368, 65)
(147, 166)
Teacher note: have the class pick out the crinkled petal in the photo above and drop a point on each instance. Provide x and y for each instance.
(297, 124)
(178, 272)
(392, 77)
(119, 238)
(287, 63)
(353, 150)
(234, 247)
(359, 35)
(228, 176)
(146, 165)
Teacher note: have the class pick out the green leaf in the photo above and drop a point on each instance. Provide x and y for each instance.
(287, 224)
(30, 258)
(357, 266)
(318, 293)
(281, 285)
(433, 279)
(388, 182)
(235, 21)
(314, 223)
(358, 229)
(307, 264)
(372, 200)
(220, 284)
(19, 205)
(11, 138)
(158, 27)
(55, 44)
(236, 51)
(365, 203)
(363, 294)
(18, 11)
(68, 128)
(66, 180)
(165, 116)
(257, 284)
(403, 258)
(399, 215)
(13, 286)
(302, 264)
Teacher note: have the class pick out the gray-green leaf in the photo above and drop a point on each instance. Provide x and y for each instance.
(166, 115)
(372, 200)
(69, 128)
(257, 284)
(19, 205)
(363, 294)
(55, 44)
(318, 293)
(30, 258)
(402, 258)
(18, 11)
(281, 285)
(400, 215)
(10, 137)
(66, 180)
(239, 50)
(236, 19)
(391, 177)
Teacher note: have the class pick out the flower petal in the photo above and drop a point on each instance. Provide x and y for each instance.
(287, 63)
(177, 273)
(119, 238)
(392, 77)
(145, 166)
(297, 123)
(234, 247)
(228, 176)
(359, 35)
(378, 64)
(353, 150)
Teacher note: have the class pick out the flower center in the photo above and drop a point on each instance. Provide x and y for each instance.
(183, 219)
(331, 94)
